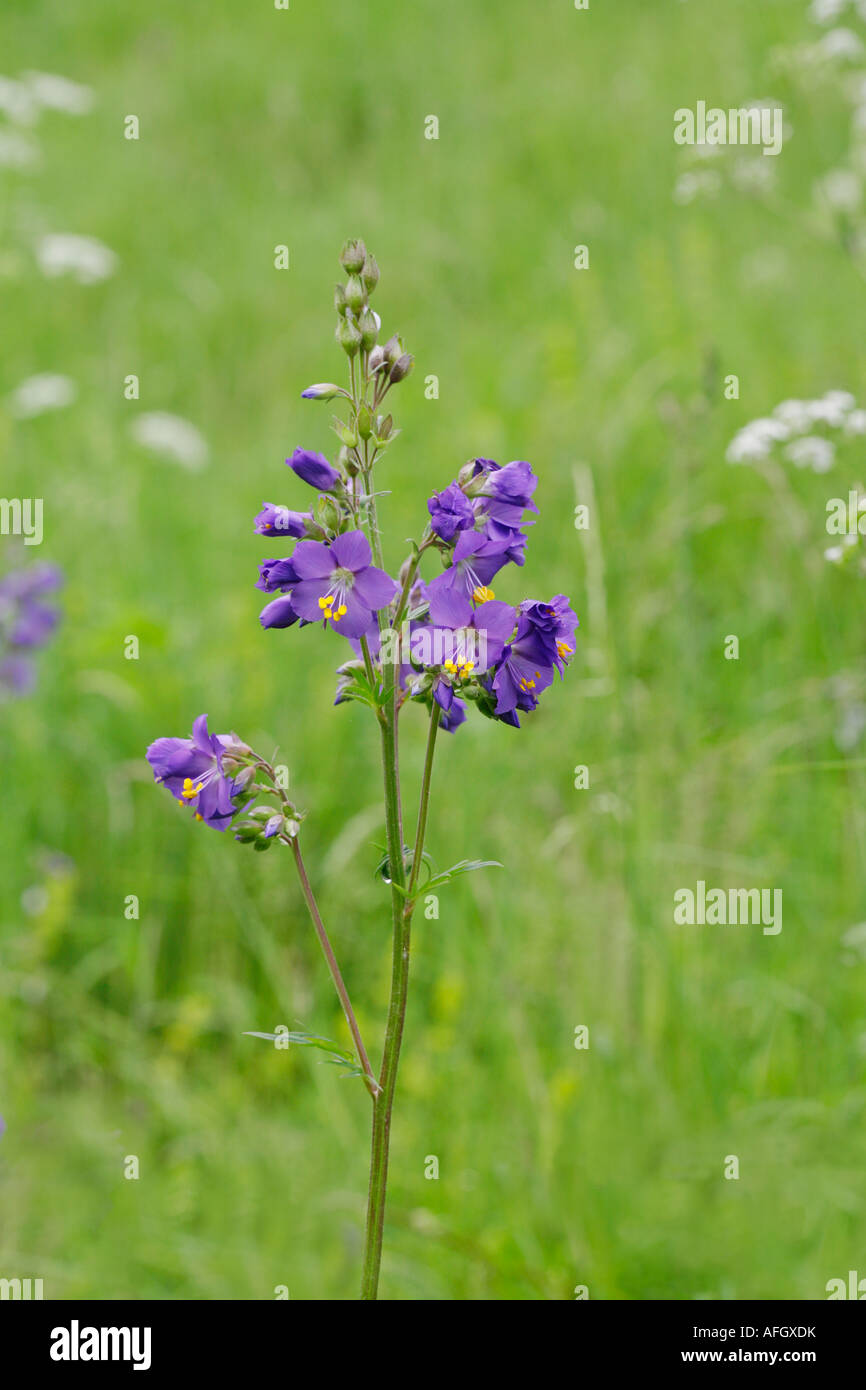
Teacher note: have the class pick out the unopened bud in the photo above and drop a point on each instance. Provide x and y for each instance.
(340, 300)
(353, 256)
(402, 367)
(466, 473)
(364, 422)
(348, 336)
(369, 330)
(327, 512)
(321, 391)
(356, 295)
(377, 359)
(370, 273)
(393, 349)
(384, 426)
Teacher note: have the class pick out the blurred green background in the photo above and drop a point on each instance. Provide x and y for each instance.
(558, 1167)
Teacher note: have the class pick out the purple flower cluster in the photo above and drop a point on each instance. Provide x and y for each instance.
(457, 642)
(202, 772)
(27, 623)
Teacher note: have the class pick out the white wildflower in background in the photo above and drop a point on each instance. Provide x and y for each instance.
(840, 44)
(832, 408)
(17, 150)
(793, 423)
(17, 101)
(59, 93)
(841, 190)
(795, 414)
(826, 11)
(47, 391)
(172, 436)
(813, 451)
(696, 183)
(83, 257)
(755, 440)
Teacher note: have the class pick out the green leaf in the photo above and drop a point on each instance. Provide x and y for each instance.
(335, 1055)
(465, 866)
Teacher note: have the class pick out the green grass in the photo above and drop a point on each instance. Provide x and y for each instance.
(557, 1167)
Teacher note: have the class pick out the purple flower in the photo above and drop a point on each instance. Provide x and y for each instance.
(314, 469)
(450, 720)
(525, 669)
(468, 648)
(30, 583)
(279, 521)
(192, 770)
(506, 492)
(468, 577)
(337, 583)
(278, 613)
(17, 675)
(557, 619)
(321, 391)
(450, 511)
(33, 625)
(276, 575)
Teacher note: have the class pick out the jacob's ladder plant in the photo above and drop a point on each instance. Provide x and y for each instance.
(440, 644)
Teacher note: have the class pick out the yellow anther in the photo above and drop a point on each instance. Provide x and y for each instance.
(340, 613)
(482, 594)
(198, 816)
(450, 666)
(564, 649)
(189, 791)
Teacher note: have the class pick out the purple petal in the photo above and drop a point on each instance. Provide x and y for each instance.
(312, 560)
(351, 551)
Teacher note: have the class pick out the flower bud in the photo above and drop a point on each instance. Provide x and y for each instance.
(247, 831)
(370, 273)
(384, 426)
(327, 512)
(402, 367)
(393, 349)
(369, 330)
(466, 473)
(347, 461)
(321, 391)
(353, 256)
(356, 295)
(340, 300)
(348, 336)
(377, 359)
(364, 422)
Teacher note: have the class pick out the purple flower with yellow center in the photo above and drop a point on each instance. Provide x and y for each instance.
(468, 576)
(193, 771)
(474, 645)
(273, 520)
(557, 619)
(314, 469)
(338, 583)
(450, 512)
(525, 668)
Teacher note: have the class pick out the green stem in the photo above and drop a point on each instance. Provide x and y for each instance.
(369, 1079)
(401, 910)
